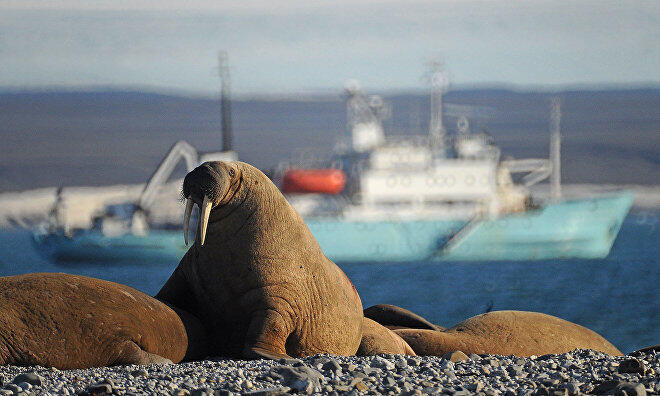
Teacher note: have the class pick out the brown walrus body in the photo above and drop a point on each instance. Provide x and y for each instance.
(256, 276)
(394, 317)
(70, 321)
(378, 339)
(516, 333)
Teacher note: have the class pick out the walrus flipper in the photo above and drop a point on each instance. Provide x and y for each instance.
(266, 336)
(131, 353)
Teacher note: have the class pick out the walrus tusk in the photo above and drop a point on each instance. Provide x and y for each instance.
(186, 218)
(204, 218)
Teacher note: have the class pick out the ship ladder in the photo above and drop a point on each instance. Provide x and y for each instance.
(461, 235)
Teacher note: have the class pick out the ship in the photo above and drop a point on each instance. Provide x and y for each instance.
(381, 198)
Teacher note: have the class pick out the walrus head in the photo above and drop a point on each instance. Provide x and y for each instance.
(210, 185)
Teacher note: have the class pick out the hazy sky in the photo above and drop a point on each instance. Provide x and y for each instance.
(294, 46)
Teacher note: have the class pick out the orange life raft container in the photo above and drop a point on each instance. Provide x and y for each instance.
(325, 181)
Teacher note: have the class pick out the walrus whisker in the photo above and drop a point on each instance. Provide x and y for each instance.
(186, 218)
(204, 219)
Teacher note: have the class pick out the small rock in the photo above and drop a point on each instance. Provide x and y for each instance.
(515, 370)
(13, 388)
(630, 389)
(605, 387)
(631, 366)
(435, 390)
(447, 365)
(31, 378)
(406, 386)
(291, 362)
(456, 356)
(276, 391)
(302, 378)
(181, 392)
(361, 386)
(332, 366)
(99, 389)
(382, 363)
(25, 386)
(476, 387)
(572, 388)
(203, 392)
(140, 373)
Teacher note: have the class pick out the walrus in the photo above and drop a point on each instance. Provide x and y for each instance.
(378, 339)
(516, 333)
(394, 317)
(255, 275)
(70, 321)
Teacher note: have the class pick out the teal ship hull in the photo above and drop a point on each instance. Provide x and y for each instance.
(580, 228)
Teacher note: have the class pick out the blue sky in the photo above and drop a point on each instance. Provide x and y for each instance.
(291, 47)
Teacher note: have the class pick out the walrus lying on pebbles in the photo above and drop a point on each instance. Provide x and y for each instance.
(69, 321)
(394, 317)
(378, 339)
(256, 276)
(507, 333)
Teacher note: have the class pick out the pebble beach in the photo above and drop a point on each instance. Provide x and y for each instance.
(577, 372)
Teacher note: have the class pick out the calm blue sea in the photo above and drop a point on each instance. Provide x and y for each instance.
(618, 296)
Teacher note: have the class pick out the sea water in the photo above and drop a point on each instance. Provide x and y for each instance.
(618, 297)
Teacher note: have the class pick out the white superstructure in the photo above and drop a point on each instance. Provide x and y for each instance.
(418, 176)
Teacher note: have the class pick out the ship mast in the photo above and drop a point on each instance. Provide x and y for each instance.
(225, 101)
(439, 85)
(555, 148)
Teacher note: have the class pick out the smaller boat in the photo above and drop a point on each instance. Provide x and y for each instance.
(323, 181)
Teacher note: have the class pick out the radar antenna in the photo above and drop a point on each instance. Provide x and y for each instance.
(555, 147)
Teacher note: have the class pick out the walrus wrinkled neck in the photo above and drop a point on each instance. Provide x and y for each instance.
(254, 212)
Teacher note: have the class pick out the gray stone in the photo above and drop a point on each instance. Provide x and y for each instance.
(632, 366)
(572, 388)
(31, 378)
(202, 392)
(515, 370)
(302, 378)
(13, 388)
(382, 363)
(605, 387)
(332, 366)
(630, 389)
(291, 362)
(274, 391)
(25, 386)
(140, 373)
(456, 356)
(389, 381)
(103, 389)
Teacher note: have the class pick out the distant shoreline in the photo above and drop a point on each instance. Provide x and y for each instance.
(108, 138)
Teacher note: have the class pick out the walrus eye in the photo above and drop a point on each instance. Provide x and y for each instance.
(232, 172)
